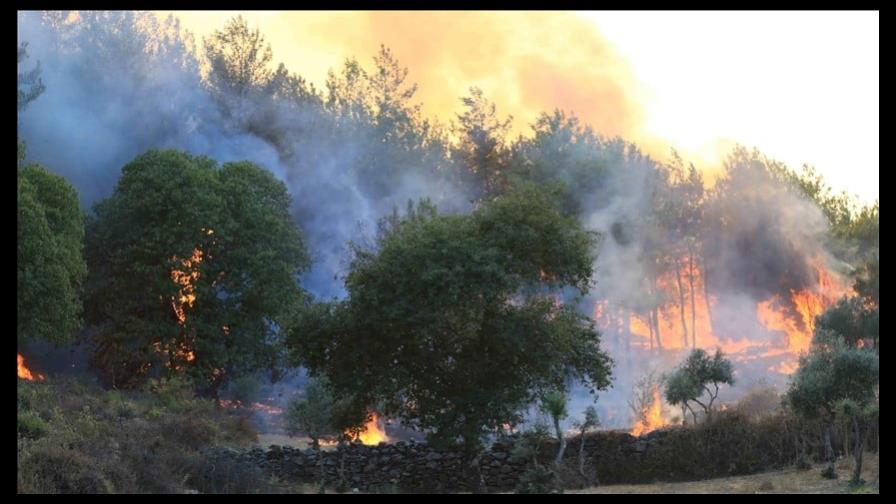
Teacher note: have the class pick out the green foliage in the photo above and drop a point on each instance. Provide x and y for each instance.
(449, 321)
(50, 258)
(245, 389)
(193, 268)
(554, 404)
(831, 373)
(320, 415)
(30, 425)
(527, 446)
(692, 379)
(73, 439)
(538, 480)
(853, 320)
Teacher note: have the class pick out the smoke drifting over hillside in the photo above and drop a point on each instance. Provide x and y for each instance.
(747, 274)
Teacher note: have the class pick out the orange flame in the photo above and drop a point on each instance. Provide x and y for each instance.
(25, 373)
(373, 434)
(186, 295)
(792, 315)
(652, 417)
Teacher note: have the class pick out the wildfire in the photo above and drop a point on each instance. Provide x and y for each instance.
(652, 416)
(685, 320)
(25, 373)
(372, 433)
(186, 279)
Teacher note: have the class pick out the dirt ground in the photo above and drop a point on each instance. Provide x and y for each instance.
(784, 481)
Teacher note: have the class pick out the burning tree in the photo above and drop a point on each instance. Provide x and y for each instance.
(448, 321)
(646, 404)
(193, 269)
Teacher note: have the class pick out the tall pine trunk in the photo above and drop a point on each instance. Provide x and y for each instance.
(684, 324)
(705, 277)
(693, 298)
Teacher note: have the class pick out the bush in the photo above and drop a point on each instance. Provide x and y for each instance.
(30, 425)
(77, 438)
(760, 401)
(52, 469)
(538, 480)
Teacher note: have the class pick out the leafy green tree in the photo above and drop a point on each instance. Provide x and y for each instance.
(836, 376)
(692, 380)
(449, 320)
(193, 268)
(554, 404)
(50, 256)
(853, 320)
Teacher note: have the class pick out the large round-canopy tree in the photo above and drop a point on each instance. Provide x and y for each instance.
(454, 322)
(193, 268)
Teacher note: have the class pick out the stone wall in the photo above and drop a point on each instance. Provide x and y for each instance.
(417, 466)
(729, 445)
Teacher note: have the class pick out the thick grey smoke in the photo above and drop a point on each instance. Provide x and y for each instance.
(118, 84)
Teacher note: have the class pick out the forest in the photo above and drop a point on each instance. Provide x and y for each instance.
(210, 248)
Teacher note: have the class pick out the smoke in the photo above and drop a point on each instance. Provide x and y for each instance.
(118, 84)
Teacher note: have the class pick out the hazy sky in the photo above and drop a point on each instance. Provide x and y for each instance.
(800, 86)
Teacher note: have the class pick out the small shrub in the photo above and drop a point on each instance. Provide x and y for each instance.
(30, 425)
(538, 480)
(52, 469)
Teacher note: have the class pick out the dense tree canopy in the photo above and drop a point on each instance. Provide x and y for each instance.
(193, 266)
(449, 320)
(50, 256)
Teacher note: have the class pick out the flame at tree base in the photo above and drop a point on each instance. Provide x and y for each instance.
(25, 373)
(372, 433)
(651, 418)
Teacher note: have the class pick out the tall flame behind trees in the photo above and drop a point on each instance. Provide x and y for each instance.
(678, 324)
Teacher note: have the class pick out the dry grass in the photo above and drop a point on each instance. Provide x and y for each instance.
(784, 481)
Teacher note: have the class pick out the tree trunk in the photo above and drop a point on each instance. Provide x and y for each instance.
(585, 478)
(684, 324)
(693, 299)
(656, 328)
(858, 451)
(474, 471)
(320, 467)
(705, 278)
(562, 440)
(627, 331)
(846, 441)
(829, 451)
